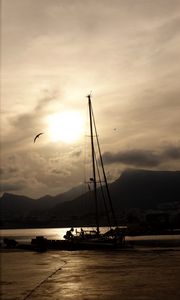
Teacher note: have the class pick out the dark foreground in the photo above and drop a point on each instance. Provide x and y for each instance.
(138, 273)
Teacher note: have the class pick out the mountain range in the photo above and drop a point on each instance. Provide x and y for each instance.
(134, 189)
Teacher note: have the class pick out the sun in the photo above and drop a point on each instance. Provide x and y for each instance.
(67, 126)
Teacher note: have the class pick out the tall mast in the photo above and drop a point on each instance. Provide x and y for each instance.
(104, 174)
(93, 162)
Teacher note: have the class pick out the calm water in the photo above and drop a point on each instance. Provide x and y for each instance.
(134, 274)
(25, 235)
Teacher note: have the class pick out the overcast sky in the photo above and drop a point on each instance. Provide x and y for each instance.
(53, 53)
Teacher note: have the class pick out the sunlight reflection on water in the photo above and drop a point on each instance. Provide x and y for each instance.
(26, 235)
(102, 275)
(146, 273)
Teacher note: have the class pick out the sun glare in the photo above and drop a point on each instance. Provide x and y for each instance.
(66, 126)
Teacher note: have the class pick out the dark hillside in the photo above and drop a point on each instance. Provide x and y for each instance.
(133, 189)
(145, 189)
(142, 190)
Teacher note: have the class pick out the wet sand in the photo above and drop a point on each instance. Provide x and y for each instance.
(131, 274)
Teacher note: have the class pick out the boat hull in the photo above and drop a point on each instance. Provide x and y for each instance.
(72, 245)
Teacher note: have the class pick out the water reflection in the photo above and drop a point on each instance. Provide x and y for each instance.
(102, 275)
(106, 276)
(26, 235)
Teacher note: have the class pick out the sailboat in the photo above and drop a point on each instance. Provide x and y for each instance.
(115, 235)
(94, 239)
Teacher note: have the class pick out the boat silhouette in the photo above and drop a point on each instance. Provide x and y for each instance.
(114, 237)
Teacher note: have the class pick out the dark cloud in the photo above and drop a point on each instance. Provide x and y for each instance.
(26, 125)
(31, 119)
(55, 160)
(141, 158)
(169, 30)
(77, 153)
(12, 158)
(172, 152)
(24, 121)
(12, 170)
(57, 171)
(15, 186)
(8, 172)
(60, 172)
(1, 171)
(46, 100)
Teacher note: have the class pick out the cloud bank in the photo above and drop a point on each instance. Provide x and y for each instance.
(54, 53)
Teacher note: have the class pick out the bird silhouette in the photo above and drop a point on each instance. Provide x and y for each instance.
(37, 136)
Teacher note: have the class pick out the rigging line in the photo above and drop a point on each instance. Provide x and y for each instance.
(43, 281)
(104, 174)
(103, 194)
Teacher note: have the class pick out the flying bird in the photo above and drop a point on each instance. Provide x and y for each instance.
(37, 136)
